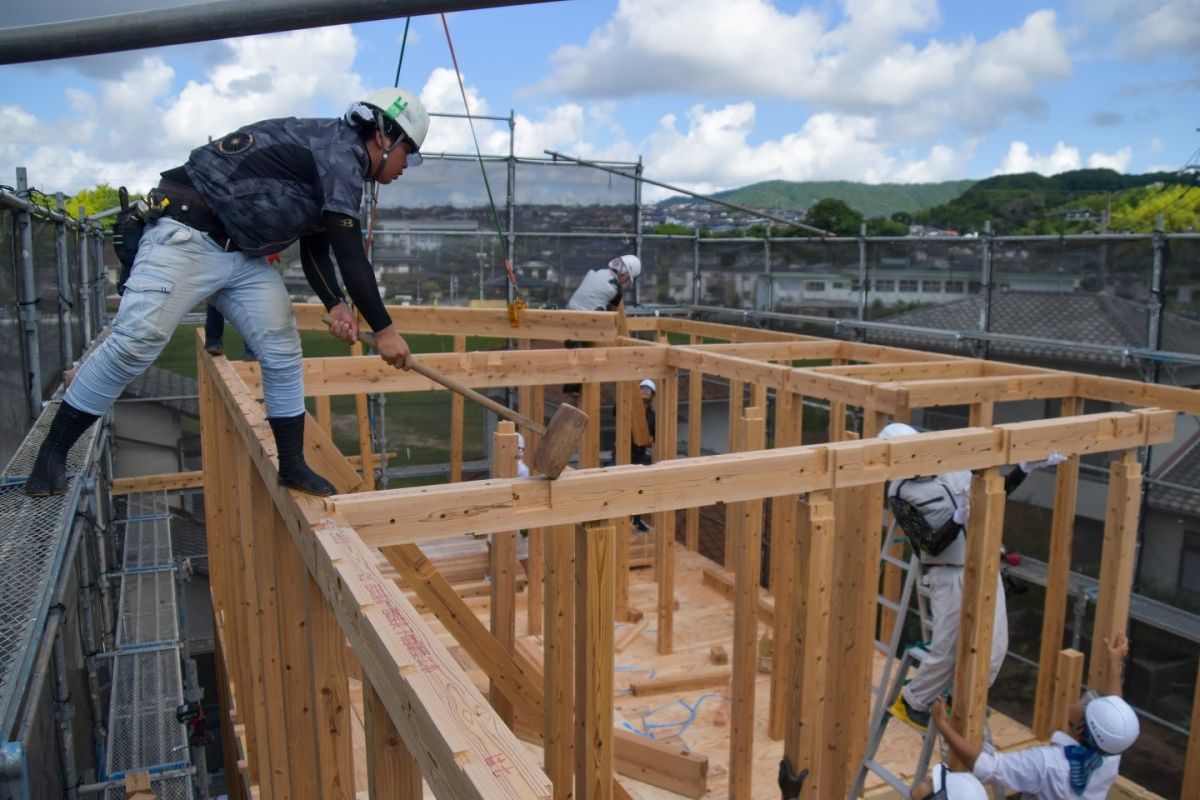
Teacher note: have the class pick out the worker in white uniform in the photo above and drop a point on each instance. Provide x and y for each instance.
(942, 784)
(601, 289)
(1079, 764)
(942, 503)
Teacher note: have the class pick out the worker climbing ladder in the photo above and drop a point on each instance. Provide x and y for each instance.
(894, 675)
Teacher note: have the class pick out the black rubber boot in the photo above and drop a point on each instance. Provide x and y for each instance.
(49, 475)
(294, 473)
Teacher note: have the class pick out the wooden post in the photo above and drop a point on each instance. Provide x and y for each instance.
(837, 421)
(331, 696)
(364, 431)
(1116, 562)
(665, 449)
(392, 772)
(979, 599)
(504, 565)
(259, 574)
(456, 422)
(737, 391)
(324, 413)
(530, 399)
(859, 512)
(1068, 678)
(589, 444)
(296, 678)
(747, 569)
(627, 395)
(1058, 575)
(981, 414)
(558, 660)
(695, 433)
(595, 553)
(809, 719)
(1191, 769)
(784, 566)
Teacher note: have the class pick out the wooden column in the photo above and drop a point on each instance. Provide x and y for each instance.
(982, 414)
(665, 449)
(747, 567)
(859, 511)
(456, 422)
(324, 410)
(1058, 575)
(296, 676)
(531, 405)
(1191, 768)
(392, 772)
(589, 444)
(1116, 561)
(331, 696)
(810, 716)
(695, 434)
(737, 391)
(259, 575)
(559, 661)
(1068, 679)
(595, 553)
(364, 431)
(627, 394)
(784, 565)
(837, 421)
(979, 599)
(504, 565)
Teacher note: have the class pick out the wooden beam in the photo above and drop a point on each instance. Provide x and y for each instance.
(906, 371)
(1136, 393)
(722, 581)
(806, 350)
(979, 598)
(1068, 679)
(456, 422)
(810, 714)
(503, 551)
(424, 513)
(594, 608)
(747, 570)
(693, 679)
(583, 326)
(667, 765)
(730, 333)
(167, 482)
(1058, 576)
(331, 696)
(1117, 559)
(967, 391)
(559, 660)
(665, 450)
(392, 772)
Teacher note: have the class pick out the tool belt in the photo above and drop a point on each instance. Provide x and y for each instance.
(186, 205)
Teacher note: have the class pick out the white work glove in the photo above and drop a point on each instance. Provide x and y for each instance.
(1055, 458)
(963, 512)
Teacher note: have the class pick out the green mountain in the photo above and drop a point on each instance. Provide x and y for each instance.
(1014, 202)
(872, 199)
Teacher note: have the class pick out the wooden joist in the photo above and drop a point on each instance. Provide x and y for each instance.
(695, 679)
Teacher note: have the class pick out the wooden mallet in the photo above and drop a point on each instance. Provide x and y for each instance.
(558, 439)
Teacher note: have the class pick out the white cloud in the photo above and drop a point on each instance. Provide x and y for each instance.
(866, 64)
(1118, 161)
(1021, 159)
(1156, 145)
(1150, 29)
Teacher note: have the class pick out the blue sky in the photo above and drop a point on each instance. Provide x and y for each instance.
(711, 94)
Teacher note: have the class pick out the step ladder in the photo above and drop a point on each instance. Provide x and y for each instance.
(894, 675)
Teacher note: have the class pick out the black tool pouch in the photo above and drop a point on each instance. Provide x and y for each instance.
(127, 233)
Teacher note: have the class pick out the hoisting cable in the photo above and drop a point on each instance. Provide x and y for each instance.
(375, 186)
(517, 303)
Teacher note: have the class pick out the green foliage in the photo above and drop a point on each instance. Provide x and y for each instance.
(875, 199)
(95, 200)
(672, 229)
(834, 215)
(883, 226)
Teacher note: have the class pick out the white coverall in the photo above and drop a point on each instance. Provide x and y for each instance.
(1043, 772)
(942, 576)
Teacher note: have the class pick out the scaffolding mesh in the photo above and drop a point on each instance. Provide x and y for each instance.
(148, 609)
(142, 730)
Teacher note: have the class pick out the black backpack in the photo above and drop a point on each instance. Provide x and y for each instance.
(928, 498)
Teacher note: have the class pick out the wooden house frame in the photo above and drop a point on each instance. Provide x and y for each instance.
(294, 578)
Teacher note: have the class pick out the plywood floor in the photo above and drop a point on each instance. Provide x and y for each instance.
(700, 718)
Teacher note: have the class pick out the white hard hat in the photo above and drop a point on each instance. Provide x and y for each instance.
(1112, 723)
(958, 785)
(648, 384)
(629, 263)
(520, 442)
(402, 109)
(897, 429)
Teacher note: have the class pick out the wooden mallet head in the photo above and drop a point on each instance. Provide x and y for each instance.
(557, 445)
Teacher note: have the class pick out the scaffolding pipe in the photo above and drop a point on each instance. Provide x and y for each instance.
(27, 304)
(207, 21)
(64, 711)
(66, 340)
(85, 284)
